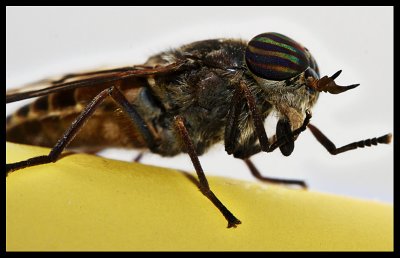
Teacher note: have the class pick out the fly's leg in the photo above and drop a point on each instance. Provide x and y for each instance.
(232, 133)
(283, 140)
(203, 183)
(138, 157)
(80, 121)
(256, 173)
(259, 127)
(330, 146)
(257, 119)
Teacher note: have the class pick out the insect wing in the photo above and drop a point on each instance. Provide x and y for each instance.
(86, 79)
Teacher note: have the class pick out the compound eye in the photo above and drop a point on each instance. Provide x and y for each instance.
(273, 56)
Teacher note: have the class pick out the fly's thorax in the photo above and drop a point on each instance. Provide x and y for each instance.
(290, 98)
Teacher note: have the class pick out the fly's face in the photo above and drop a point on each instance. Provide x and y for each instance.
(284, 69)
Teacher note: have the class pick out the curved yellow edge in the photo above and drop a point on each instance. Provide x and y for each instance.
(84, 202)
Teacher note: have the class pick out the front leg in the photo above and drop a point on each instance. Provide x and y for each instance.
(330, 146)
(285, 140)
(257, 118)
(285, 137)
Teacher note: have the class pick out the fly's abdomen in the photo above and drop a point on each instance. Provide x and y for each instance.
(45, 121)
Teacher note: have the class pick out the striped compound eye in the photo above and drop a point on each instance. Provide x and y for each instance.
(273, 56)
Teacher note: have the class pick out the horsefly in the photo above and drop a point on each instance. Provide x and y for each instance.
(183, 100)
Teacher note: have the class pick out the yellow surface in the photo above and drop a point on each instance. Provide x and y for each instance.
(84, 202)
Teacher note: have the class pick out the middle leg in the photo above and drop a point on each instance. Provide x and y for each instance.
(203, 183)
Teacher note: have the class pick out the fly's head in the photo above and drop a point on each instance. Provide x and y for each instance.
(289, 76)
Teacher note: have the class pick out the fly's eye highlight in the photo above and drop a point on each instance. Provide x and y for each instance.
(273, 56)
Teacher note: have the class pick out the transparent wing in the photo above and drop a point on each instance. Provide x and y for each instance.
(87, 79)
